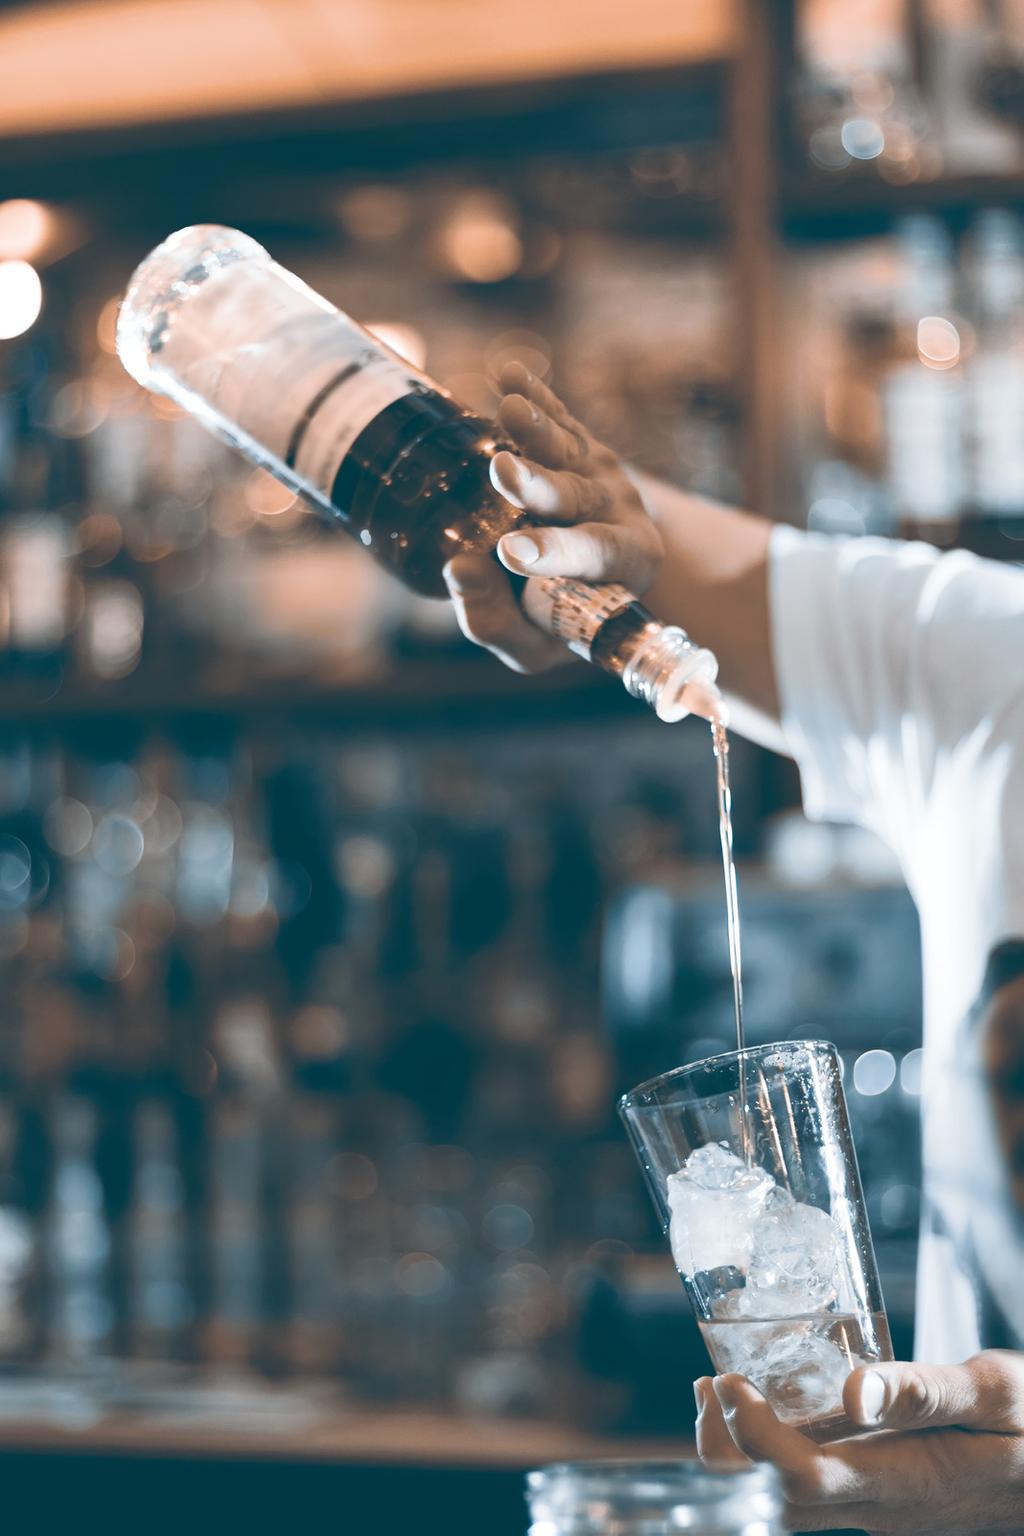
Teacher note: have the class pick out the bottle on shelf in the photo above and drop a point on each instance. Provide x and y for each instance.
(974, 66)
(367, 439)
(160, 1304)
(923, 393)
(858, 102)
(35, 557)
(999, 85)
(995, 371)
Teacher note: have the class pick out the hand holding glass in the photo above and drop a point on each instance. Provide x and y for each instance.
(752, 1168)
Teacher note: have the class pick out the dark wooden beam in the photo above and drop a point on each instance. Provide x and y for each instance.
(754, 132)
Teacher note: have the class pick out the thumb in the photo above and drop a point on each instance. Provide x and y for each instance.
(986, 1392)
(587, 552)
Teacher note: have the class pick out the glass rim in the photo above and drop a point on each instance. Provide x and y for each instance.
(687, 1472)
(632, 1099)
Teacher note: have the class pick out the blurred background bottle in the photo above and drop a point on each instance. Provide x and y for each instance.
(995, 369)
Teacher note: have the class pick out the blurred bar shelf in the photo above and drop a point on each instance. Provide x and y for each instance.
(828, 208)
(994, 538)
(206, 168)
(280, 176)
(426, 693)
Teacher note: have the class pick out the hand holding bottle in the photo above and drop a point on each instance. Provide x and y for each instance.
(592, 525)
(211, 321)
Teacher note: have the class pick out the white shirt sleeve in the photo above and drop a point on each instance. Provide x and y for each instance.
(901, 679)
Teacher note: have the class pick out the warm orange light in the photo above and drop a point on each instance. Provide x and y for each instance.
(527, 347)
(479, 242)
(165, 408)
(73, 63)
(375, 212)
(25, 228)
(938, 342)
(106, 324)
(266, 496)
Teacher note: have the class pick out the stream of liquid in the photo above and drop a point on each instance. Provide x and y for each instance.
(720, 741)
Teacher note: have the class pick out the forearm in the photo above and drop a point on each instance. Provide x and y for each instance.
(714, 583)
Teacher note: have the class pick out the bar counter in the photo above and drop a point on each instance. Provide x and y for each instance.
(204, 1465)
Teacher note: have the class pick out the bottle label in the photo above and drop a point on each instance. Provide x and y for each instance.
(360, 382)
(281, 372)
(573, 610)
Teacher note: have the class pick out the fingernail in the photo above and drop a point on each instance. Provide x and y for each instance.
(872, 1397)
(520, 547)
(726, 1393)
(534, 413)
(698, 1395)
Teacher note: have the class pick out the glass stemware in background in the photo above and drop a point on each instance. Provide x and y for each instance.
(774, 1253)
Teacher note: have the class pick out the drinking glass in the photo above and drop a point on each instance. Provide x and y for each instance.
(652, 1498)
(752, 1168)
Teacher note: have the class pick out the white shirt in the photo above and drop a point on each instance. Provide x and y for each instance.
(901, 677)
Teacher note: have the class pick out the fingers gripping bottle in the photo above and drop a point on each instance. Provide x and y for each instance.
(211, 321)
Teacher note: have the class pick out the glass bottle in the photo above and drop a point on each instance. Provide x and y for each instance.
(35, 557)
(637, 1498)
(856, 97)
(923, 393)
(299, 388)
(995, 369)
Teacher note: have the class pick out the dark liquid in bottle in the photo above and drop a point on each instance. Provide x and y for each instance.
(415, 488)
(615, 643)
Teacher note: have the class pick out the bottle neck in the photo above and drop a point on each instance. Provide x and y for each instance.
(671, 675)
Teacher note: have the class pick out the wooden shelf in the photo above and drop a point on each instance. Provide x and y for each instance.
(113, 63)
(360, 1435)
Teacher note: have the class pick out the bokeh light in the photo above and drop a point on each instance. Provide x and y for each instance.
(938, 342)
(106, 325)
(910, 1072)
(25, 228)
(265, 496)
(874, 1072)
(21, 298)
(862, 138)
(420, 1275)
(479, 242)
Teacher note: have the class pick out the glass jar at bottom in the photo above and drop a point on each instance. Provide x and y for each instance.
(651, 1498)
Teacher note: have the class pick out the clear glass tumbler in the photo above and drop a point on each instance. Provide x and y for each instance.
(752, 1168)
(651, 1498)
